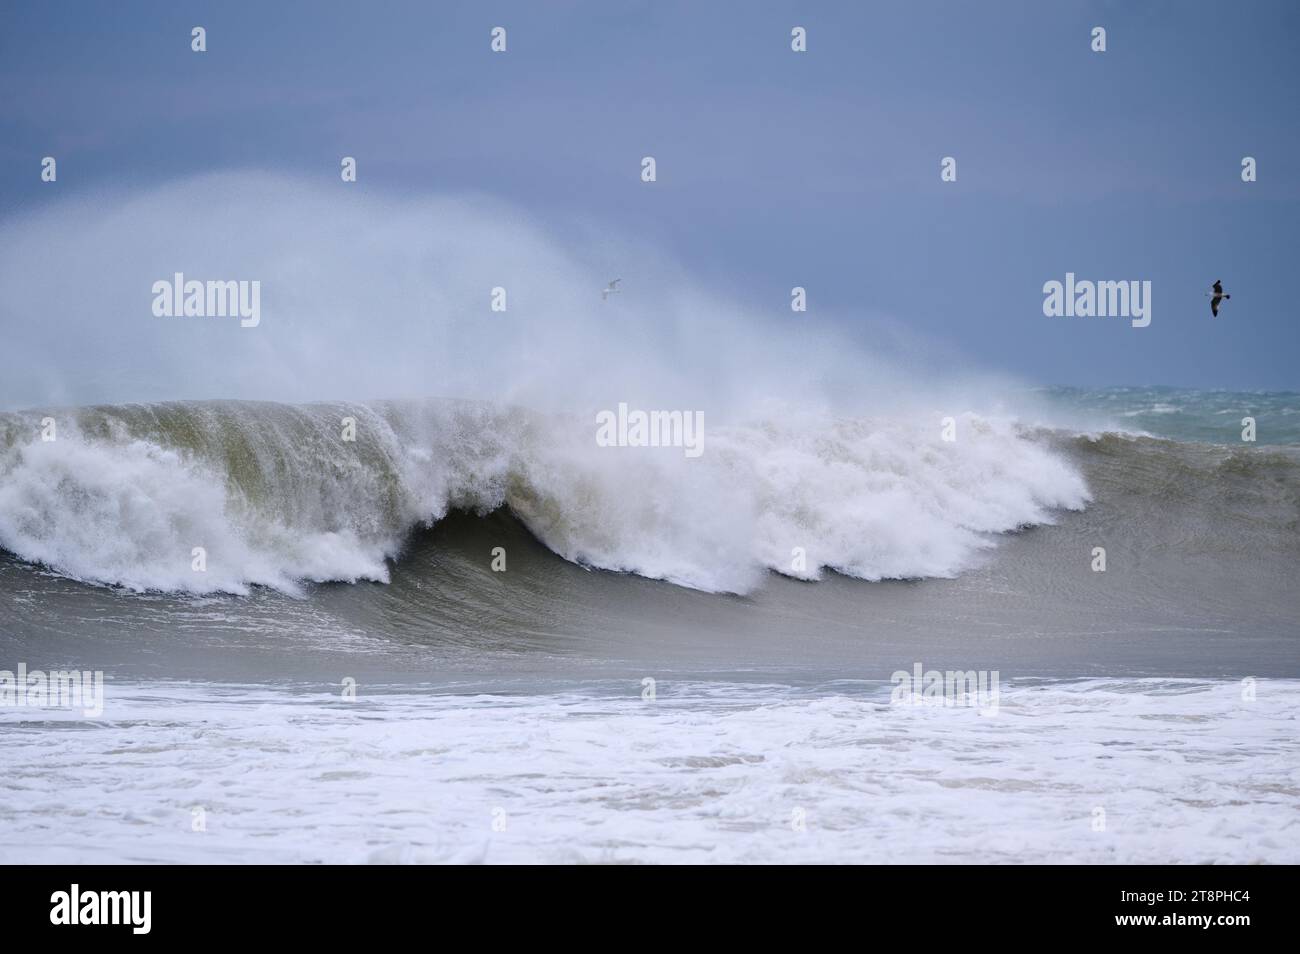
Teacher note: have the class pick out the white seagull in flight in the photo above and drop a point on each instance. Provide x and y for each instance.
(610, 289)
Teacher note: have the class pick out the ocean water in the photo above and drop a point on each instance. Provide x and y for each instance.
(1095, 771)
(1184, 414)
(770, 589)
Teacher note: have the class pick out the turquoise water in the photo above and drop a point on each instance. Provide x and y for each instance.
(1185, 414)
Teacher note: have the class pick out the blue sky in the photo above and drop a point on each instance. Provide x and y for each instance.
(775, 168)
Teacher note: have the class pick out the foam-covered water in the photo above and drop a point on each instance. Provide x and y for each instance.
(1171, 771)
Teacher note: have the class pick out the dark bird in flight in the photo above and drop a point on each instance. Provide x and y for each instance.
(1217, 297)
(610, 289)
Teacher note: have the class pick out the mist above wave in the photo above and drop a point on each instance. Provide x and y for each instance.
(366, 295)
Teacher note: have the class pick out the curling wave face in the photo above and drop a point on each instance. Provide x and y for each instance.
(274, 495)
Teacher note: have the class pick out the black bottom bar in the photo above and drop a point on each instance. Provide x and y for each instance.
(334, 905)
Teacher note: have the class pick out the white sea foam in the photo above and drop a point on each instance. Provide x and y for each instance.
(1184, 772)
(133, 513)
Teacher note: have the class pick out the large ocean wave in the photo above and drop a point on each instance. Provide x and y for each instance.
(824, 447)
(274, 495)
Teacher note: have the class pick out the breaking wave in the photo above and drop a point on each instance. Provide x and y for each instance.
(274, 495)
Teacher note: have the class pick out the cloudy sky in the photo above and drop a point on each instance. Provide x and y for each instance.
(775, 168)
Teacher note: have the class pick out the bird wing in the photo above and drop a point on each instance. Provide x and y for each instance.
(1218, 288)
(1214, 306)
